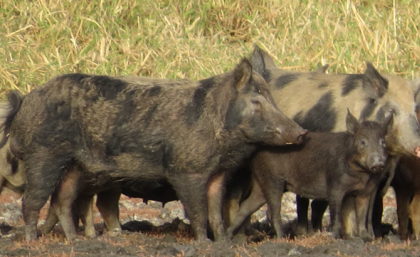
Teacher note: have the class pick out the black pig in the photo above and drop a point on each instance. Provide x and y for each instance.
(113, 130)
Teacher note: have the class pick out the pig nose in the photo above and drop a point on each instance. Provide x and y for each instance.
(301, 136)
(378, 164)
(417, 151)
(377, 168)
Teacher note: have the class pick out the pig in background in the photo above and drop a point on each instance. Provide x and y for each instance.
(111, 130)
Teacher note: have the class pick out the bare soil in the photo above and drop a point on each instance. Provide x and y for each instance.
(150, 230)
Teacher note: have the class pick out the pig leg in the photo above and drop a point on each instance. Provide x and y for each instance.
(192, 191)
(255, 200)
(215, 193)
(362, 206)
(403, 211)
(348, 210)
(43, 175)
(2, 180)
(50, 222)
(376, 206)
(318, 208)
(335, 212)
(415, 214)
(302, 205)
(108, 205)
(62, 202)
(84, 204)
(273, 192)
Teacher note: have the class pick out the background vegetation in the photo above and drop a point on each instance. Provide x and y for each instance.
(40, 39)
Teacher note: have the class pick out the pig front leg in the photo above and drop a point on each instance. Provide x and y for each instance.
(191, 190)
(362, 207)
(415, 214)
(348, 210)
(335, 203)
(107, 203)
(215, 196)
(302, 206)
(403, 197)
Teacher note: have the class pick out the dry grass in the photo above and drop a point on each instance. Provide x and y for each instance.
(197, 39)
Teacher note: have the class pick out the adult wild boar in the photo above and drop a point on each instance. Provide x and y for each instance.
(329, 166)
(113, 130)
(323, 100)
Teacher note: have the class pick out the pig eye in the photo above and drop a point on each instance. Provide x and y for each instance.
(382, 142)
(257, 104)
(363, 143)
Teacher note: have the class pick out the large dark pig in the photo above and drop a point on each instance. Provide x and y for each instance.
(329, 166)
(324, 98)
(113, 130)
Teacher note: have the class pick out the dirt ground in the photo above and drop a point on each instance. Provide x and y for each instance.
(150, 230)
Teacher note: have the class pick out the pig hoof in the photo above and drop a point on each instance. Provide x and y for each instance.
(334, 235)
(366, 237)
(114, 232)
(239, 239)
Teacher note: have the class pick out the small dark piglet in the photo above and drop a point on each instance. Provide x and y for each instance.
(329, 166)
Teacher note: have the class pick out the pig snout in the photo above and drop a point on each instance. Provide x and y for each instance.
(378, 164)
(417, 152)
(301, 137)
(292, 139)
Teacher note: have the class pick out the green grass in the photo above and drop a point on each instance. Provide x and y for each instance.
(41, 39)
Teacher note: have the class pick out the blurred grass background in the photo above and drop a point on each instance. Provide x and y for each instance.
(40, 39)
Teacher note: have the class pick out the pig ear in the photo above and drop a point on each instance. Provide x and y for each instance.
(242, 74)
(389, 120)
(379, 84)
(322, 69)
(352, 124)
(261, 61)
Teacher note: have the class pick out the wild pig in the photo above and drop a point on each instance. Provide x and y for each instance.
(329, 166)
(324, 98)
(113, 130)
(406, 184)
(12, 174)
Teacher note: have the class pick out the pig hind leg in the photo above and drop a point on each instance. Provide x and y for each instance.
(254, 201)
(44, 173)
(107, 203)
(84, 206)
(318, 208)
(62, 202)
